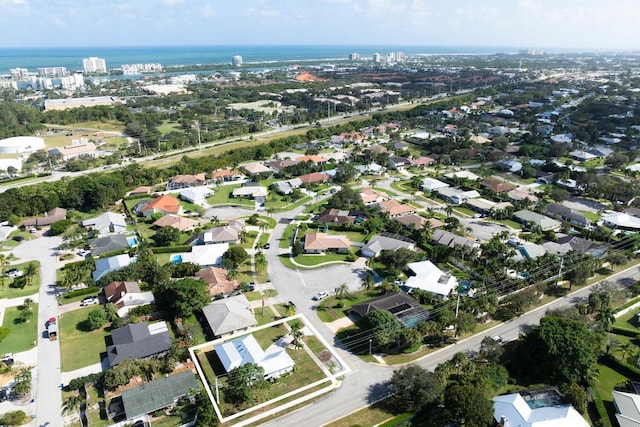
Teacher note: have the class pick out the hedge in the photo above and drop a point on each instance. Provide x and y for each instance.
(625, 331)
(599, 404)
(625, 369)
(80, 292)
(169, 249)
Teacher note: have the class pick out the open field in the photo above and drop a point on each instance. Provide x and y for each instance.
(78, 346)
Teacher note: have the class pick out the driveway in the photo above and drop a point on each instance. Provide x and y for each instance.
(224, 213)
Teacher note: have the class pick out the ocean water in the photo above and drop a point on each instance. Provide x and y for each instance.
(71, 57)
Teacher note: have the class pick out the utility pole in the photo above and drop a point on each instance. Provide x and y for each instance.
(199, 142)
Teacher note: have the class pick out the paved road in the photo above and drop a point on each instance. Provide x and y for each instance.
(46, 376)
(366, 382)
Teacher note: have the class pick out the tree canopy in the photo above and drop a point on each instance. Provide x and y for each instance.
(415, 387)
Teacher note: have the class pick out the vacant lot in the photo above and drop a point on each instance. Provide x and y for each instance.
(78, 346)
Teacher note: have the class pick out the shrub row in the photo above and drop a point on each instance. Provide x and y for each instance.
(169, 249)
(80, 292)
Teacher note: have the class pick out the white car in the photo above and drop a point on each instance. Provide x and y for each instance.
(89, 301)
(14, 272)
(320, 295)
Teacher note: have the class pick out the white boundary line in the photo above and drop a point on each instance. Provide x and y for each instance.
(333, 378)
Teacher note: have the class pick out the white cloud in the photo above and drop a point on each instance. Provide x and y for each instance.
(173, 3)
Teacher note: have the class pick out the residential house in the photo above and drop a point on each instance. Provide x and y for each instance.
(6, 230)
(205, 255)
(178, 222)
(105, 265)
(81, 148)
(421, 161)
(432, 184)
(138, 341)
(287, 186)
(185, 181)
(386, 242)
(152, 396)
(143, 189)
(218, 280)
(279, 165)
(314, 178)
(397, 162)
(227, 175)
(229, 233)
(428, 277)
(498, 186)
(108, 244)
(229, 315)
(106, 223)
(321, 243)
(370, 196)
(627, 407)
(530, 220)
(557, 210)
(257, 169)
(462, 174)
(622, 221)
(370, 169)
(456, 196)
(164, 204)
(275, 361)
(195, 195)
(336, 216)
(447, 238)
(377, 149)
(54, 215)
(254, 191)
(405, 308)
(485, 206)
(395, 209)
(126, 295)
(418, 222)
(545, 407)
(400, 146)
(569, 243)
(520, 194)
(316, 160)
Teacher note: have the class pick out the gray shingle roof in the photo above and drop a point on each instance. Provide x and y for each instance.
(135, 341)
(157, 394)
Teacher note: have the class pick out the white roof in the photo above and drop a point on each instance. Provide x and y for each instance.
(629, 406)
(195, 193)
(254, 191)
(518, 413)
(245, 350)
(105, 265)
(430, 278)
(463, 174)
(205, 255)
(620, 219)
(103, 222)
(432, 184)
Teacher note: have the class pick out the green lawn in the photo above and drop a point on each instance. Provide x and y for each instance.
(286, 236)
(271, 223)
(222, 196)
(9, 292)
(77, 347)
(311, 261)
(628, 320)
(330, 310)
(509, 223)
(264, 238)
(23, 336)
(354, 236)
(608, 378)
(385, 191)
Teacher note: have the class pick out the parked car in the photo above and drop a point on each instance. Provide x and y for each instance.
(89, 301)
(14, 272)
(267, 245)
(320, 295)
(498, 339)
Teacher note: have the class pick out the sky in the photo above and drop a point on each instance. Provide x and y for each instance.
(550, 24)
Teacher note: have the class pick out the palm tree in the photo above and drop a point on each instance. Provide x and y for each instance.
(367, 282)
(243, 236)
(297, 334)
(626, 347)
(73, 403)
(342, 291)
(30, 271)
(215, 221)
(4, 260)
(448, 210)
(261, 262)
(232, 273)
(605, 317)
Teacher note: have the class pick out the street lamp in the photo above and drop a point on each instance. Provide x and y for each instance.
(369, 346)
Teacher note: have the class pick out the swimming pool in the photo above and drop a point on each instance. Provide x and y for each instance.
(176, 259)
(132, 241)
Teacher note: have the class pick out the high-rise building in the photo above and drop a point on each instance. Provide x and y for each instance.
(52, 71)
(354, 56)
(94, 65)
(377, 58)
(19, 73)
(237, 61)
(72, 82)
(8, 85)
(39, 83)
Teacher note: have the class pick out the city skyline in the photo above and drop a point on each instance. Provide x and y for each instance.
(542, 24)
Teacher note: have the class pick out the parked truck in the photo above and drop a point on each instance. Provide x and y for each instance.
(52, 329)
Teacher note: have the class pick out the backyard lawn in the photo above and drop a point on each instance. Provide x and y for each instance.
(77, 347)
(222, 196)
(23, 335)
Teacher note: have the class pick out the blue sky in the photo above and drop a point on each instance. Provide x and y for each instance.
(584, 24)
